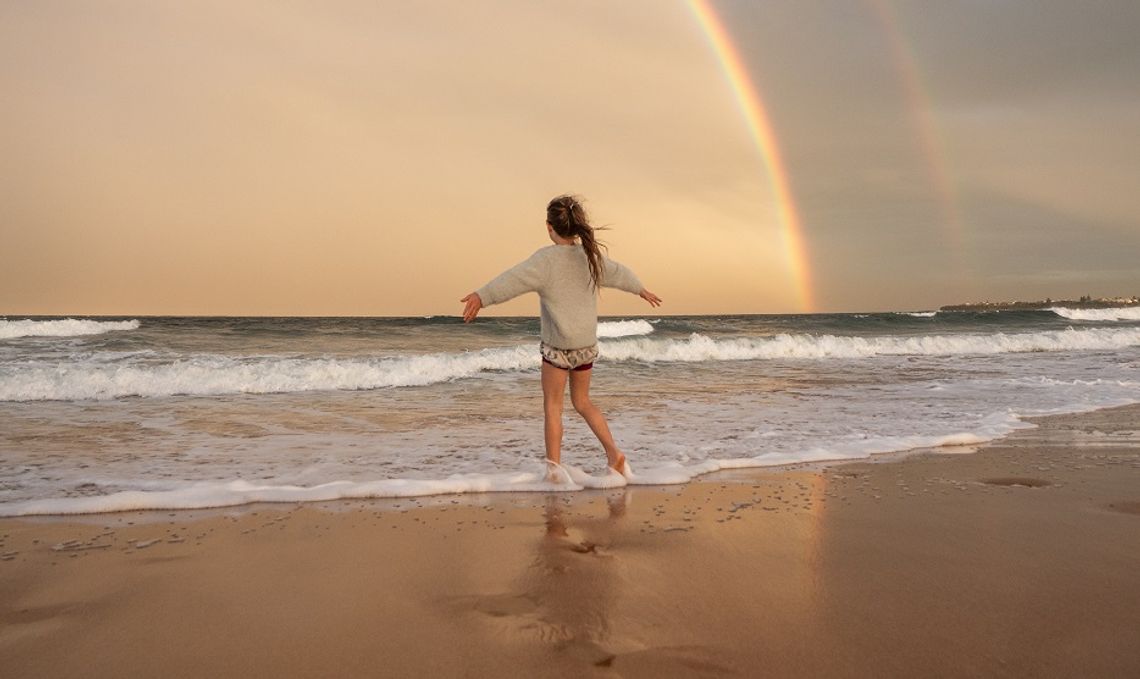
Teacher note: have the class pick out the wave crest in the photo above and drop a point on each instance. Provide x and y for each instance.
(67, 327)
(624, 328)
(701, 348)
(209, 375)
(213, 374)
(1130, 313)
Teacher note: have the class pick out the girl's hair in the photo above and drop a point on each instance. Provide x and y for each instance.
(567, 217)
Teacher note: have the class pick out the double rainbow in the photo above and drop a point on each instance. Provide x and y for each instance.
(756, 115)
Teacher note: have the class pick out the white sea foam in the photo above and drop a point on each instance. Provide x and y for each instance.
(919, 314)
(67, 327)
(238, 492)
(215, 374)
(1131, 313)
(228, 494)
(804, 346)
(624, 328)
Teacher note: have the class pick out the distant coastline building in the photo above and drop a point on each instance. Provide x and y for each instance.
(1085, 302)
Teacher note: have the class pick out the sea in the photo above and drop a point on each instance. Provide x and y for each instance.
(111, 414)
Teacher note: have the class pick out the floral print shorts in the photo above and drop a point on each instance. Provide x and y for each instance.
(569, 359)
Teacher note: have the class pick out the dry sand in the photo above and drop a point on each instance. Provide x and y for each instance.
(1022, 560)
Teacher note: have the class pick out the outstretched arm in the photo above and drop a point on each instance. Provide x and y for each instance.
(527, 276)
(616, 275)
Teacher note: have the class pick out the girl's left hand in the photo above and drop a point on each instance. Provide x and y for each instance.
(474, 304)
(653, 299)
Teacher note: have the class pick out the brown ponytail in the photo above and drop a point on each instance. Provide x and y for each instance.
(567, 217)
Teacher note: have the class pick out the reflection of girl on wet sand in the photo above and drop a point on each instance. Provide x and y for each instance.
(556, 526)
(572, 579)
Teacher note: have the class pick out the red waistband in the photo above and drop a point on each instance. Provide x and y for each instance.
(584, 366)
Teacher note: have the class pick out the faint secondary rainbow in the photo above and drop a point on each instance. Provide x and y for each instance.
(756, 115)
(926, 127)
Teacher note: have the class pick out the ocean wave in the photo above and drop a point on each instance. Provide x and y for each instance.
(67, 327)
(918, 314)
(1131, 313)
(211, 374)
(803, 346)
(624, 328)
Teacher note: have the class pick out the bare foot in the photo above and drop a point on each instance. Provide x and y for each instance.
(556, 473)
(619, 465)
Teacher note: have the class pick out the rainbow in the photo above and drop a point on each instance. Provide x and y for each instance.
(926, 128)
(760, 127)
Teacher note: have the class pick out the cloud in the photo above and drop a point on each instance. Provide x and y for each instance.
(978, 52)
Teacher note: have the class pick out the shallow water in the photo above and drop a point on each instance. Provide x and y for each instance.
(214, 411)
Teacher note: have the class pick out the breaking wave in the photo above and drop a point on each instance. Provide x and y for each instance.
(624, 328)
(211, 374)
(1130, 313)
(802, 346)
(68, 327)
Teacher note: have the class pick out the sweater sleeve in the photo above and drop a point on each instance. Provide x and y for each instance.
(619, 276)
(526, 276)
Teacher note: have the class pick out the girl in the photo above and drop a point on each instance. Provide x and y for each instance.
(566, 277)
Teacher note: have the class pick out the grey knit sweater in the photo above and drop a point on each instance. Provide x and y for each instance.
(560, 275)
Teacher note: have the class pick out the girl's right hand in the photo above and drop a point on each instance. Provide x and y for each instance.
(474, 304)
(653, 299)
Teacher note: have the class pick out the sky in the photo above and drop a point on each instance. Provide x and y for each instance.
(386, 158)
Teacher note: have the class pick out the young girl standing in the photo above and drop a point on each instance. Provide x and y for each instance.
(566, 276)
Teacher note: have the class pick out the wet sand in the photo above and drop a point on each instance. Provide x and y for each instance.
(1020, 560)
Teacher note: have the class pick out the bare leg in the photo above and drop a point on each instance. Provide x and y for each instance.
(553, 392)
(580, 397)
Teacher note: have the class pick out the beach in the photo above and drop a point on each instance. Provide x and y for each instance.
(1019, 559)
(291, 289)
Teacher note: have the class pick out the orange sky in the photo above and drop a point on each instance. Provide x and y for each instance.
(238, 158)
(364, 158)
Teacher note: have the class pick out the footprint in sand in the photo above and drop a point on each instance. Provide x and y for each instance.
(499, 605)
(1017, 481)
(1126, 507)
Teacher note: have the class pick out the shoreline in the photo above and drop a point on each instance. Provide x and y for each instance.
(1017, 560)
(291, 495)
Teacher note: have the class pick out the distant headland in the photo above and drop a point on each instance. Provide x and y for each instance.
(1085, 302)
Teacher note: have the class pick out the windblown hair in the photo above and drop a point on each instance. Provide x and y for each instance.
(567, 217)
